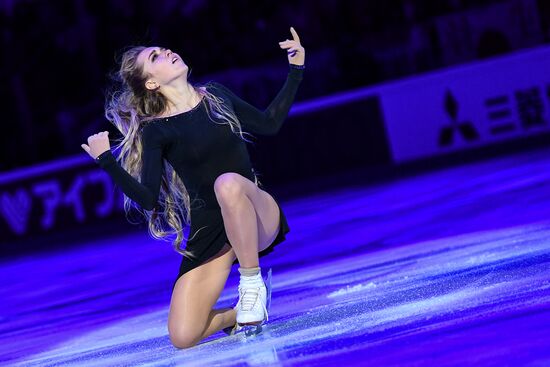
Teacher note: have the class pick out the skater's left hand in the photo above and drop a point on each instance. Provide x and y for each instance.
(296, 53)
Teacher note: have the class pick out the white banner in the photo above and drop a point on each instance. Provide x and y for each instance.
(469, 106)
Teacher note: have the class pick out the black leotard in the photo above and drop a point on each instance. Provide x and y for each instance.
(199, 150)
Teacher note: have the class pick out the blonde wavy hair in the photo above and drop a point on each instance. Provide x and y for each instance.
(129, 107)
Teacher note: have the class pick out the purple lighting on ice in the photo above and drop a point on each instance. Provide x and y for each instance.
(444, 268)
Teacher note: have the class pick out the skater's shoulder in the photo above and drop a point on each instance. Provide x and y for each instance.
(154, 130)
(214, 86)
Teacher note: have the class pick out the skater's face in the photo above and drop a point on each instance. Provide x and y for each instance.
(161, 66)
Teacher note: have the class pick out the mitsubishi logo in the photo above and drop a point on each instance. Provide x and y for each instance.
(464, 128)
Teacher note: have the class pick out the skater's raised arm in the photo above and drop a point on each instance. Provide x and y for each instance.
(266, 122)
(269, 122)
(146, 192)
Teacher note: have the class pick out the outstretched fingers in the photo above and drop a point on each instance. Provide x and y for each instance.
(294, 35)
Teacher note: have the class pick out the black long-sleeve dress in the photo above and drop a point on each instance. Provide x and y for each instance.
(200, 150)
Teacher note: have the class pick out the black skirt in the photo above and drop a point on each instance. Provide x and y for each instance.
(217, 241)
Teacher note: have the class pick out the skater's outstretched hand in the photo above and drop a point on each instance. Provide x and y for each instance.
(296, 53)
(97, 144)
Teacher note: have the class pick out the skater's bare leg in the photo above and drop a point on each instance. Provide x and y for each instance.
(251, 221)
(219, 319)
(191, 317)
(250, 216)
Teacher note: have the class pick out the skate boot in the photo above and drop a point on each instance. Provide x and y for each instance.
(251, 308)
(253, 305)
(233, 329)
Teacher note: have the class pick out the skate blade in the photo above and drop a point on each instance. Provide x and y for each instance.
(255, 323)
(249, 330)
(231, 330)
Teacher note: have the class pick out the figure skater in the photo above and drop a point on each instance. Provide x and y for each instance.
(183, 158)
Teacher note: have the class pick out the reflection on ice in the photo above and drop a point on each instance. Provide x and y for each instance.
(417, 271)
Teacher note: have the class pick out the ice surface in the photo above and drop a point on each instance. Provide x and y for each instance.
(441, 269)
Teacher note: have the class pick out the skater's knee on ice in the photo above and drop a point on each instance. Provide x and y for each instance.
(184, 339)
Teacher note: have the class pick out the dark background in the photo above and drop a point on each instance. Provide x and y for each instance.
(56, 54)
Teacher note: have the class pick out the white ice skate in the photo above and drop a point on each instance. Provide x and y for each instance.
(253, 306)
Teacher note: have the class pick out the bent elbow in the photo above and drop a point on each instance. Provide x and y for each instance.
(149, 204)
(273, 127)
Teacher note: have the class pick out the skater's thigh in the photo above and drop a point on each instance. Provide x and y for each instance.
(195, 294)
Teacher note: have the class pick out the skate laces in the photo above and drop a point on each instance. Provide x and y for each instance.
(249, 297)
(249, 294)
